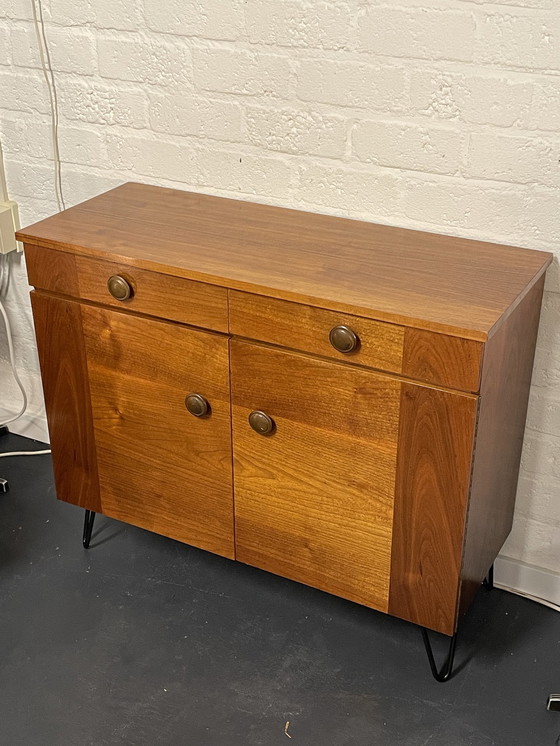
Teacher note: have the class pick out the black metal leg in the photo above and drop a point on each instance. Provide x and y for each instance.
(88, 527)
(4, 486)
(443, 674)
(488, 581)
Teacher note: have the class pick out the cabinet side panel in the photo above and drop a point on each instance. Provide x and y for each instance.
(58, 328)
(433, 470)
(506, 380)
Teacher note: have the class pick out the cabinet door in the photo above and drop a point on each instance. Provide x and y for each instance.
(122, 394)
(314, 499)
(362, 487)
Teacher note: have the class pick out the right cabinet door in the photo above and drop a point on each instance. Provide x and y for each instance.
(361, 487)
(314, 499)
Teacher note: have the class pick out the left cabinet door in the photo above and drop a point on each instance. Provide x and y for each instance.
(123, 441)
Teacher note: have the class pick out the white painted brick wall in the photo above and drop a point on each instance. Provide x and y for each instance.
(426, 33)
(196, 115)
(154, 62)
(357, 85)
(296, 131)
(243, 71)
(433, 148)
(210, 19)
(97, 103)
(440, 115)
(295, 23)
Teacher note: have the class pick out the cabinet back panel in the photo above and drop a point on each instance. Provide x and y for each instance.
(160, 467)
(314, 501)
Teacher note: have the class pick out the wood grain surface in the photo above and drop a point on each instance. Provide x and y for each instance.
(445, 284)
(435, 449)
(314, 501)
(154, 294)
(434, 358)
(363, 488)
(160, 467)
(440, 359)
(307, 328)
(506, 378)
(62, 356)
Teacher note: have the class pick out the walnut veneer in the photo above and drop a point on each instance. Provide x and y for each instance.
(390, 471)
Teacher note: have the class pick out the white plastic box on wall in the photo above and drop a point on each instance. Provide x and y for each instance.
(9, 223)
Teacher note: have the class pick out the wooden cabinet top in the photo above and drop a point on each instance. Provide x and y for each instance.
(451, 285)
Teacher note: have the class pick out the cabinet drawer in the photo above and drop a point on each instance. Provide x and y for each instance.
(439, 359)
(152, 293)
(307, 328)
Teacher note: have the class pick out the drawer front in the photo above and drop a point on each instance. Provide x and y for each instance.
(152, 293)
(421, 355)
(307, 328)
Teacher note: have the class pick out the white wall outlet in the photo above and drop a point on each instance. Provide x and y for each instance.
(9, 224)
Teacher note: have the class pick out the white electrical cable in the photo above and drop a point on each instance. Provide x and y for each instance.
(4, 279)
(2, 273)
(4, 263)
(3, 185)
(53, 97)
(537, 599)
(13, 367)
(3, 198)
(24, 453)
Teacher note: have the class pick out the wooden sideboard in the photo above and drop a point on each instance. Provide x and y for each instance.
(337, 402)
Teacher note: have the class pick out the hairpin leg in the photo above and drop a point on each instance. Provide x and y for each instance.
(4, 486)
(88, 527)
(444, 674)
(488, 581)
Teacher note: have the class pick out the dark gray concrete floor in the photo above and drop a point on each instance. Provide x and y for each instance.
(142, 640)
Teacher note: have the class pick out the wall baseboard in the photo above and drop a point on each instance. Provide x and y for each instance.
(32, 426)
(528, 579)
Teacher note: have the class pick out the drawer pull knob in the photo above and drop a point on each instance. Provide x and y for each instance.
(261, 423)
(343, 339)
(119, 288)
(197, 405)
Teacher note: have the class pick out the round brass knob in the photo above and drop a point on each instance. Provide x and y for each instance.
(119, 288)
(197, 405)
(343, 339)
(261, 423)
